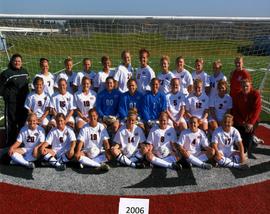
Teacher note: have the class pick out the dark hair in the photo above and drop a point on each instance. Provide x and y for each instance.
(13, 57)
(109, 78)
(105, 59)
(86, 59)
(60, 115)
(92, 110)
(142, 51)
(131, 80)
(38, 79)
(43, 60)
(86, 78)
(124, 52)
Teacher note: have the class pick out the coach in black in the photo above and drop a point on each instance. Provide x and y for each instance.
(14, 89)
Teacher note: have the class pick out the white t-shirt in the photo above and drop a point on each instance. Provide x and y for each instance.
(85, 102)
(221, 105)
(69, 78)
(203, 76)
(226, 140)
(62, 103)
(185, 80)
(37, 103)
(61, 139)
(122, 75)
(197, 105)
(193, 141)
(214, 83)
(80, 75)
(93, 136)
(143, 78)
(174, 103)
(48, 81)
(31, 138)
(100, 79)
(165, 81)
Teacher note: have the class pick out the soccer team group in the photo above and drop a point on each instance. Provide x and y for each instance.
(175, 119)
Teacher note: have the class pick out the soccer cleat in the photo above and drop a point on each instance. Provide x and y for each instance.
(140, 165)
(207, 166)
(12, 162)
(31, 165)
(104, 167)
(257, 140)
(177, 166)
(61, 167)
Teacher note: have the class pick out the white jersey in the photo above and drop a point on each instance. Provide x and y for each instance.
(62, 103)
(185, 80)
(221, 105)
(214, 83)
(165, 82)
(143, 78)
(31, 138)
(100, 79)
(37, 103)
(193, 142)
(203, 76)
(69, 78)
(122, 75)
(124, 137)
(85, 102)
(93, 136)
(80, 75)
(174, 103)
(226, 140)
(162, 138)
(61, 139)
(48, 81)
(197, 105)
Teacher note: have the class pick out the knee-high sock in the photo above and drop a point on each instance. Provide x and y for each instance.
(227, 162)
(160, 162)
(195, 161)
(88, 162)
(18, 158)
(125, 160)
(48, 157)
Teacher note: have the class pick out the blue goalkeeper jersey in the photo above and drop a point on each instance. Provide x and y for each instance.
(153, 105)
(127, 101)
(108, 102)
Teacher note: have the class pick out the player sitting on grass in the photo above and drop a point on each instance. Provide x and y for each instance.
(161, 140)
(38, 102)
(93, 147)
(224, 140)
(62, 140)
(31, 136)
(193, 145)
(128, 139)
(85, 99)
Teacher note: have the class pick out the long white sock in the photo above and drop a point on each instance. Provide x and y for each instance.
(160, 162)
(195, 161)
(18, 158)
(48, 157)
(125, 160)
(88, 162)
(227, 162)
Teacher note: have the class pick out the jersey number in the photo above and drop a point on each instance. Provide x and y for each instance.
(93, 136)
(131, 139)
(198, 105)
(62, 104)
(30, 139)
(86, 103)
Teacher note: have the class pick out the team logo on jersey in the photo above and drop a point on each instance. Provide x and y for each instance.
(61, 139)
(182, 76)
(169, 134)
(143, 72)
(203, 100)
(99, 130)
(36, 134)
(136, 134)
(179, 98)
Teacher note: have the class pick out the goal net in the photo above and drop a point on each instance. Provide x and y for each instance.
(57, 37)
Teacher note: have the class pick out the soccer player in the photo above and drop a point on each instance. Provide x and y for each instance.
(63, 102)
(48, 78)
(100, 78)
(219, 105)
(85, 99)
(62, 142)
(68, 75)
(123, 72)
(224, 140)
(130, 99)
(77, 84)
(197, 104)
(176, 106)
(165, 76)
(154, 103)
(202, 75)
(93, 147)
(216, 77)
(162, 139)
(186, 81)
(39, 102)
(144, 74)
(239, 74)
(193, 145)
(31, 136)
(127, 141)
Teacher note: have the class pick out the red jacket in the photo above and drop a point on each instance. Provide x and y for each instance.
(247, 107)
(235, 81)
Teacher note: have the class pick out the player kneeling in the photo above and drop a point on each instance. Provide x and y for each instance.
(162, 139)
(127, 141)
(193, 145)
(31, 135)
(224, 139)
(62, 140)
(93, 137)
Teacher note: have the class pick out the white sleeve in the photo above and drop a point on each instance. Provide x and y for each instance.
(104, 134)
(207, 80)
(117, 74)
(174, 137)
(42, 135)
(81, 135)
(72, 103)
(27, 103)
(76, 80)
(142, 136)
(49, 138)
(204, 142)
(72, 135)
(20, 137)
(189, 79)
(150, 137)
(215, 137)
(181, 139)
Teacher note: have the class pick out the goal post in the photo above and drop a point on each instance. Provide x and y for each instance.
(59, 36)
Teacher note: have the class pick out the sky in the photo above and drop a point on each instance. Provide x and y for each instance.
(231, 8)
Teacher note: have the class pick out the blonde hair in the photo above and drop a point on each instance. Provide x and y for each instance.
(165, 57)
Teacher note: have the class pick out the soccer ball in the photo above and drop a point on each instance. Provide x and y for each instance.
(163, 152)
(93, 152)
(129, 150)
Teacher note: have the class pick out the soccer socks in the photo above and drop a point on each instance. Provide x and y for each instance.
(18, 158)
(195, 161)
(227, 162)
(160, 162)
(125, 160)
(48, 157)
(88, 162)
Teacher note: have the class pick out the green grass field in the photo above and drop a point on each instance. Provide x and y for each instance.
(57, 48)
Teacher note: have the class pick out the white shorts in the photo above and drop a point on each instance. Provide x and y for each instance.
(79, 119)
(28, 154)
(170, 159)
(71, 120)
(101, 158)
(201, 156)
(45, 121)
(232, 155)
(60, 152)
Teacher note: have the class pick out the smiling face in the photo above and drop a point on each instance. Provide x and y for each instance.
(180, 64)
(126, 58)
(164, 65)
(87, 65)
(198, 88)
(144, 59)
(175, 85)
(131, 121)
(44, 67)
(106, 65)
(155, 86)
(194, 124)
(32, 122)
(110, 84)
(39, 87)
(246, 86)
(60, 123)
(227, 123)
(86, 84)
(93, 118)
(163, 121)
(62, 86)
(17, 63)
(132, 86)
(69, 65)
